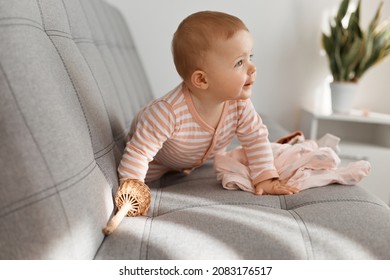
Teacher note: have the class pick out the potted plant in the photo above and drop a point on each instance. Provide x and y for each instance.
(352, 51)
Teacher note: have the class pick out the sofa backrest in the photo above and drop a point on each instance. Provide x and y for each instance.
(70, 83)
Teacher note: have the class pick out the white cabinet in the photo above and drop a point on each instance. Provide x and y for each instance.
(363, 136)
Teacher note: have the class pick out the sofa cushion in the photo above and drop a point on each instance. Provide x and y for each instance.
(193, 217)
(68, 89)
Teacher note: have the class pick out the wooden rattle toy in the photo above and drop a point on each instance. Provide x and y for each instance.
(132, 199)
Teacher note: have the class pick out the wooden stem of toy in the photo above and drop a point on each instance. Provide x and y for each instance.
(117, 219)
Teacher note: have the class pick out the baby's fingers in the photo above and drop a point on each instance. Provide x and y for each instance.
(287, 190)
(259, 191)
(284, 191)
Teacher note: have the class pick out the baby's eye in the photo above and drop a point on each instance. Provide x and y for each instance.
(239, 63)
(251, 57)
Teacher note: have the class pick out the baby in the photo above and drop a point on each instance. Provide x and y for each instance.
(198, 119)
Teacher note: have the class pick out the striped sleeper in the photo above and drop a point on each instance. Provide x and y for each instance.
(169, 135)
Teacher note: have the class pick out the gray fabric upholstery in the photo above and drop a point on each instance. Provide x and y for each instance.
(192, 218)
(70, 84)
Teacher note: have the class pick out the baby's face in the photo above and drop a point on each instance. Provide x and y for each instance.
(229, 68)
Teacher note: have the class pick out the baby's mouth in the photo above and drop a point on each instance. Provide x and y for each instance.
(248, 84)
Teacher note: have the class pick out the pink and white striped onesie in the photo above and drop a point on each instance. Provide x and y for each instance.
(169, 134)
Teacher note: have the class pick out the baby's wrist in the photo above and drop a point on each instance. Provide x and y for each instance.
(267, 181)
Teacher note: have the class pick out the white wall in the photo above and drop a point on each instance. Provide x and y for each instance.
(291, 72)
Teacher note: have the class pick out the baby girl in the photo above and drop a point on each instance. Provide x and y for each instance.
(198, 119)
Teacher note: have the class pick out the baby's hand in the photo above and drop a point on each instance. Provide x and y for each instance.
(274, 186)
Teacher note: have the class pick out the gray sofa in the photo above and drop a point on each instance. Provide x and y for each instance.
(70, 83)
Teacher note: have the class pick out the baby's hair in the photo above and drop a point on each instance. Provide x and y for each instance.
(195, 36)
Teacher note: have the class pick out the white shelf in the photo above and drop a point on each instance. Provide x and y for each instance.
(355, 116)
(355, 126)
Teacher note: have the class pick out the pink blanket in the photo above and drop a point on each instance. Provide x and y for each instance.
(304, 165)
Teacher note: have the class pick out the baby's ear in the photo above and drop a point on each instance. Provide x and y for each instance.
(199, 79)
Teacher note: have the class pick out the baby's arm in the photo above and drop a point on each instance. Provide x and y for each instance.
(150, 129)
(274, 186)
(253, 135)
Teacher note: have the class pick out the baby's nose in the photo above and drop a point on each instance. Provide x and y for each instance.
(252, 70)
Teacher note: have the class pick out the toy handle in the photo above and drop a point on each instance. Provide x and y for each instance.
(115, 221)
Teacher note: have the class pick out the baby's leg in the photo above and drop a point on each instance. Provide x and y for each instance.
(232, 170)
(156, 171)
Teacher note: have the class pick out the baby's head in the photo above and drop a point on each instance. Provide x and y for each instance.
(197, 34)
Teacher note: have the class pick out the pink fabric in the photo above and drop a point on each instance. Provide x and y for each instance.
(303, 165)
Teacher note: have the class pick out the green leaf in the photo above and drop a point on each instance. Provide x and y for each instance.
(327, 44)
(352, 58)
(342, 10)
(353, 24)
(374, 22)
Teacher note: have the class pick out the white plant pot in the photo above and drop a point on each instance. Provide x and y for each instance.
(342, 94)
